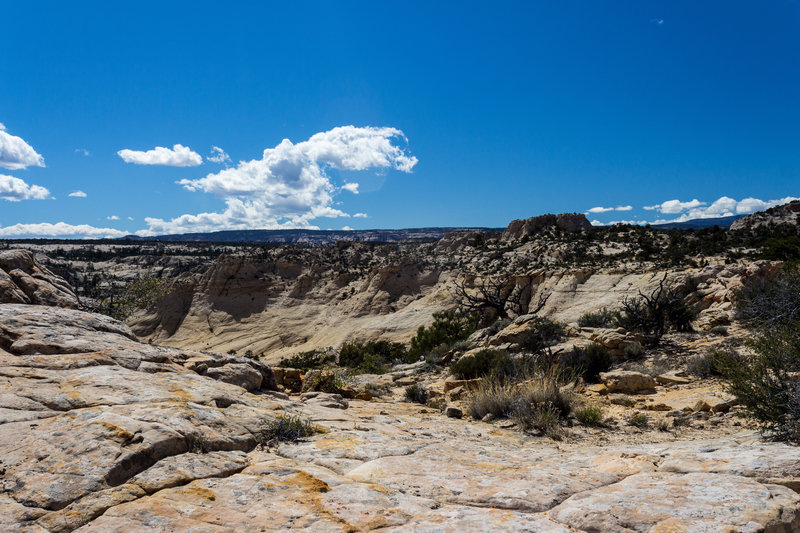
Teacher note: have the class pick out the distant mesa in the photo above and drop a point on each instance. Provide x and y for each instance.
(569, 222)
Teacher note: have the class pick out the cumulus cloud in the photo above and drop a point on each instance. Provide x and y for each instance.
(607, 209)
(218, 155)
(14, 189)
(347, 228)
(723, 206)
(60, 229)
(288, 187)
(77, 194)
(674, 206)
(360, 215)
(82, 151)
(16, 154)
(112, 217)
(178, 156)
(352, 187)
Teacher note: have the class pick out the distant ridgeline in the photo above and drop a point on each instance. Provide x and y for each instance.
(307, 236)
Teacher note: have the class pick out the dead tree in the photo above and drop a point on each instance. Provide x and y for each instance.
(495, 297)
(653, 313)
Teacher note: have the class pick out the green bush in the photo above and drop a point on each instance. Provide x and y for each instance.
(782, 248)
(329, 381)
(588, 362)
(590, 416)
(307, 360)
(481, 364)
(604, 318)
(543, 333)
(142, 293)
(447, 328)
(373, 357)
(639, 420)
(416, 393)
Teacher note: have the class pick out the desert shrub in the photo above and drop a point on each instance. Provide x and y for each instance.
(782, 248)
(722, 331)
(285, 429)
(536, 404)
(588, 362)
(493, 397)
(373, 357)
(307, 360)
(325, 381)
(543, 333)
(497, 326)
(705, 365)
(639, 420)
(447, 328)
(765, 382)
(416, 393)
(482, 364)
(604, 318)
(589, 415)
(662, 425)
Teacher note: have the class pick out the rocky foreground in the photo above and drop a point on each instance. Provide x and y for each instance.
(103, 433)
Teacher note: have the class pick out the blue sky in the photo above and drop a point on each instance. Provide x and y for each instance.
(444, 114)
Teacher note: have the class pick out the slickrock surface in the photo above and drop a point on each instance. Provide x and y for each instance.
(101, 433)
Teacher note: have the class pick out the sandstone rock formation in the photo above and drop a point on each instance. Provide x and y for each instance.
(24, 280)
(528, 227)
(101, 433)
(782, 214)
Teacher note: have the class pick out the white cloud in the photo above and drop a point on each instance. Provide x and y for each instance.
(60, 229)
(674, 206)
(629, 222)
(360, 215)
(347, 228)
(288, 186)
(607, 209)
(77, 194)
(658, 22)
(2, 127)
(82, 151)
(16, 154)
(218, 155)
(14, 189)
(112, 217)
(178, 156)
(130, 218)
(725, 207)
(352, 187)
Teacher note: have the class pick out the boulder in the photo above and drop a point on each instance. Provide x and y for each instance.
(618, 341)
(240, 374)
(627, 381)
